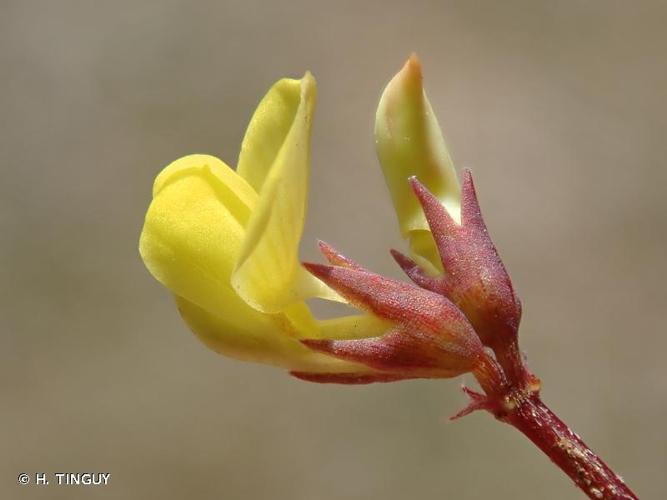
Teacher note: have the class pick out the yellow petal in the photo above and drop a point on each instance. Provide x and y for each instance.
(193, 230)
(262, 341)
(409, 142)
(424, 251)
(225, 177)
(275, 159)
(268, 129)
(356, 326)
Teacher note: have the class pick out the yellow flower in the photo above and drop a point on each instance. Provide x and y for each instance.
(409, 143)
(225, 242)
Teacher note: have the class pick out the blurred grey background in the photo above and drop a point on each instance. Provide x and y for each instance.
(558, 107)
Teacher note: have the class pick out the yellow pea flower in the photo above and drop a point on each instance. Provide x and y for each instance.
(225, 242)
(409, 142)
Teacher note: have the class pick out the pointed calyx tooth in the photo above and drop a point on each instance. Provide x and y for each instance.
(439, 215)
(444, 229)
(387, 298)
(336, 258)
(475, 278)
(471, 214)
(416, 273)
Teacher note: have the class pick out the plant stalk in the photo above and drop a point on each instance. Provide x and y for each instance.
(551, 435)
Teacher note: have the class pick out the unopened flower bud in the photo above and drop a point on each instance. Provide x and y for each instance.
(409, 142)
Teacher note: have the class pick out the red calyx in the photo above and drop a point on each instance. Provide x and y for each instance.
(441, 325)
(431, 337)
(475, 278)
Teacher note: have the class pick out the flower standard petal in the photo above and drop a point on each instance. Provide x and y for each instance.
(268, 275)
(268, 130)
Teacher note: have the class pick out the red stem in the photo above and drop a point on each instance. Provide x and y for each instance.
(539, 424)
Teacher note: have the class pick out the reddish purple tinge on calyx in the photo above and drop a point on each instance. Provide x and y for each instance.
(465, 320)
(441, 325)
